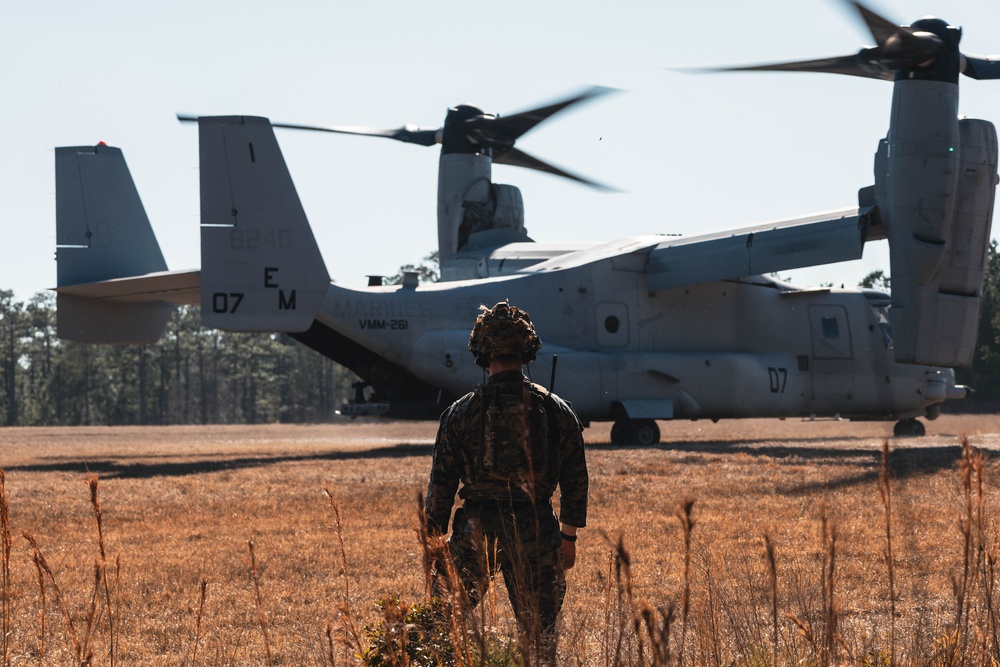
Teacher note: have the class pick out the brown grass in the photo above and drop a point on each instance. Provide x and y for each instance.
(178, 506)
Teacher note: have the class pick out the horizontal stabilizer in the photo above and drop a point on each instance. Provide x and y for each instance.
(177, 287)
(759, 250)
(261, 269)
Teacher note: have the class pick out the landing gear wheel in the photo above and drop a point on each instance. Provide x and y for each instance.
(646, 432)
(621, 432)
(643, 432)
(909, 428)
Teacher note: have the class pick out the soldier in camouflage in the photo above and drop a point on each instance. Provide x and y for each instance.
(509, 443)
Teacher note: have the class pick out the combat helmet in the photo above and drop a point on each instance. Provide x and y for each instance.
(503, 330)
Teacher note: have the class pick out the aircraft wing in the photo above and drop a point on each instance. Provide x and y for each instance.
(790, 244)
(177, 287)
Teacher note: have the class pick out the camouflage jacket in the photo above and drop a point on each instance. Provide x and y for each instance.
(508, 441)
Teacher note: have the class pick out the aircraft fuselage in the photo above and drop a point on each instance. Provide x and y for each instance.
(749, 348)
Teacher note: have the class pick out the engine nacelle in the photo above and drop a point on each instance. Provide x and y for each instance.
(472, 211)
(935, 182)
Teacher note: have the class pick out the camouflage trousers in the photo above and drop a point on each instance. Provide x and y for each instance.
(521, 541)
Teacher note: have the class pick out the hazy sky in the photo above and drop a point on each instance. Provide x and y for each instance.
(691, 153)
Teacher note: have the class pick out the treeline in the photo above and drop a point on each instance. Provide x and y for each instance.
(192, 375)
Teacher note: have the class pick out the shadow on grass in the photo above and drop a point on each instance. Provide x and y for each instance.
(904, 462)
(114, 469)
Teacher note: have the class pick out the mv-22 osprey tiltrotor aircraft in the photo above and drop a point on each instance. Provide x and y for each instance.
(644, 328)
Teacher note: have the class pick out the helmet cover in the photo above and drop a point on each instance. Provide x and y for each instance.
(503, 330)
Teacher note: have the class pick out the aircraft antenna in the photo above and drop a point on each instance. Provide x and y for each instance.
(552, 377)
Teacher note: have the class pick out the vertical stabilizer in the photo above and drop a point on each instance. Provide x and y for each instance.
(102, 233)
(261, 269)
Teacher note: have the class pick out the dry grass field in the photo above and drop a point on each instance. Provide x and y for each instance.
(180, 506)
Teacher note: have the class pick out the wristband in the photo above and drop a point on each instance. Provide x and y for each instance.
(568, 538)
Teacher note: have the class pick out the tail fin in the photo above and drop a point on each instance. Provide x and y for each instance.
(261, 267)
(102, 233)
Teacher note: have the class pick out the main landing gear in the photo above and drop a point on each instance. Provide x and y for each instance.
(635, 432)
(909, 428)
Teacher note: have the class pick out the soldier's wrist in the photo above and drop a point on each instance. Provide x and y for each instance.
(566, 537)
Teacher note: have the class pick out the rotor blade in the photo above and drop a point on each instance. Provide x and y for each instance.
(981, 68)
(881, 28)
(898, 44)
(518, 158)
(505, 130)
(855, 65)
(410, 134)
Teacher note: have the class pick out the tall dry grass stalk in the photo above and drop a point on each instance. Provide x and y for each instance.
(466, 630)
(713, 603)
(608, 597)
(772, 581)
(352, 636)
(885, 492)
(40, 572)
(95, 503)
(683, 513)
(6, 540)
(95, 612)
(619, 596)
(331, 651)
(259, 603)
(986, 548)
(824, 640)
(961, 585)
(100, 602)
(81, 649)
(197, 619)
(975, 630)
(831, 605)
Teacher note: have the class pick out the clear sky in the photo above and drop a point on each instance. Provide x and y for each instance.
(691, 154)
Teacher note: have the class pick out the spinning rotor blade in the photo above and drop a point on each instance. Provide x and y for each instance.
(502, 131)
(898, 45)
(518, 158)
(881, 28)
(469, 129)
(916, 47)
(410, 134)
(856, 65)
(981, 68)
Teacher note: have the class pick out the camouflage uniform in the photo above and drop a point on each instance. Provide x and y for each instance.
(510, 443)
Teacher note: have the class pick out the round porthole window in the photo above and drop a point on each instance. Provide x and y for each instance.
(611, 324)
